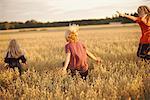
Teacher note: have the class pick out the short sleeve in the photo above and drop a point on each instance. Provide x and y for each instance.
(67, 48)
(23, 59)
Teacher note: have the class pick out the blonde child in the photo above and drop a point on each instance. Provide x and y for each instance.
(76, 53)
(14, 56)
(144, 22)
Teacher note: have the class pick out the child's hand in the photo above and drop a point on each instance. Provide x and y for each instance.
(25, 66)
(64, 71)
(5, 65)
(121, 14)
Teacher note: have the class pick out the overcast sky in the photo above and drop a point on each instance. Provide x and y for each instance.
(63, 10)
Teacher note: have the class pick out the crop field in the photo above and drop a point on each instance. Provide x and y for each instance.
(119, 76)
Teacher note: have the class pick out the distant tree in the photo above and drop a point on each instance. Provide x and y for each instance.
(8, 25)
(31, 22)
(34, 24)
(134, 14)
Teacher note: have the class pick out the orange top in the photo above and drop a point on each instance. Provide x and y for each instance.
(145, 38)
(78, 60)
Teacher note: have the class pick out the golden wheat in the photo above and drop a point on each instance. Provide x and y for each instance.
(118, 77)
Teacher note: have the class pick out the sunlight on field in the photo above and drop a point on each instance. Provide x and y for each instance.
(117, 77)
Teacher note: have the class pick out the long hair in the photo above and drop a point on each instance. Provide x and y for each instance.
(71, 34)
(148, 18)
(144, 10)
(14, 50)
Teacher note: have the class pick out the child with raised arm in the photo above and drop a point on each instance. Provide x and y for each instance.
(14, 56)
(76, 53)
(144, 22)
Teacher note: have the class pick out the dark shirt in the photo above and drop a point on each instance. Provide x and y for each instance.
(15, 62)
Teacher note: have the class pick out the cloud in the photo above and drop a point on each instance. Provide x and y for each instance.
(58, 10)
(101, 11)
(25, 10)
(147, 1)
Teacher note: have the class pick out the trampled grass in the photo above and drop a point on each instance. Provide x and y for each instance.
(120, 76)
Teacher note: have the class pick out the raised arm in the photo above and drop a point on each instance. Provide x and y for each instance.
(127, 16)
(67, 61)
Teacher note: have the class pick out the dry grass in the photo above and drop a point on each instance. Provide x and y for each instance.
(118, 77)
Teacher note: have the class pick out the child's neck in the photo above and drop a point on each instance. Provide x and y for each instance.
(73, 41)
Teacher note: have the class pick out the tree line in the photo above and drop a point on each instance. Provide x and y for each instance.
(36, 24)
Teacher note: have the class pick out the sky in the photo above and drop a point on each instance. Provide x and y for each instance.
(65, 10)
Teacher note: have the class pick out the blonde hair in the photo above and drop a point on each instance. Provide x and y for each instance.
(144, 10)
(14, 50)
(71, 34)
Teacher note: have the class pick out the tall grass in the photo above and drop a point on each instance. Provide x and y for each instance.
(120, 76)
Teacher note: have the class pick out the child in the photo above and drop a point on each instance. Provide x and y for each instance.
(14, 55)
(144, 22)
(76, 53)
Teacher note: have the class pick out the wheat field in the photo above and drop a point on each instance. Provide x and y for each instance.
(120, 76)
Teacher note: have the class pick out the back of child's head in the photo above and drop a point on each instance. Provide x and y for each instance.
(14, 50)
(142, 10)
(71, 34)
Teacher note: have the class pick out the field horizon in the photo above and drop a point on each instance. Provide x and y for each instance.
(120, 76)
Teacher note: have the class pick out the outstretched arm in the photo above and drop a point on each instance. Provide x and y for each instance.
(92, 56)
(127, 16)
(67, 61)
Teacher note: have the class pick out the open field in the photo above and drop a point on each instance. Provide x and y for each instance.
(118, 77)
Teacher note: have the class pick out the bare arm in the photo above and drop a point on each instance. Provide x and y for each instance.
(67, 61)
(127, 16)
(92, 56)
